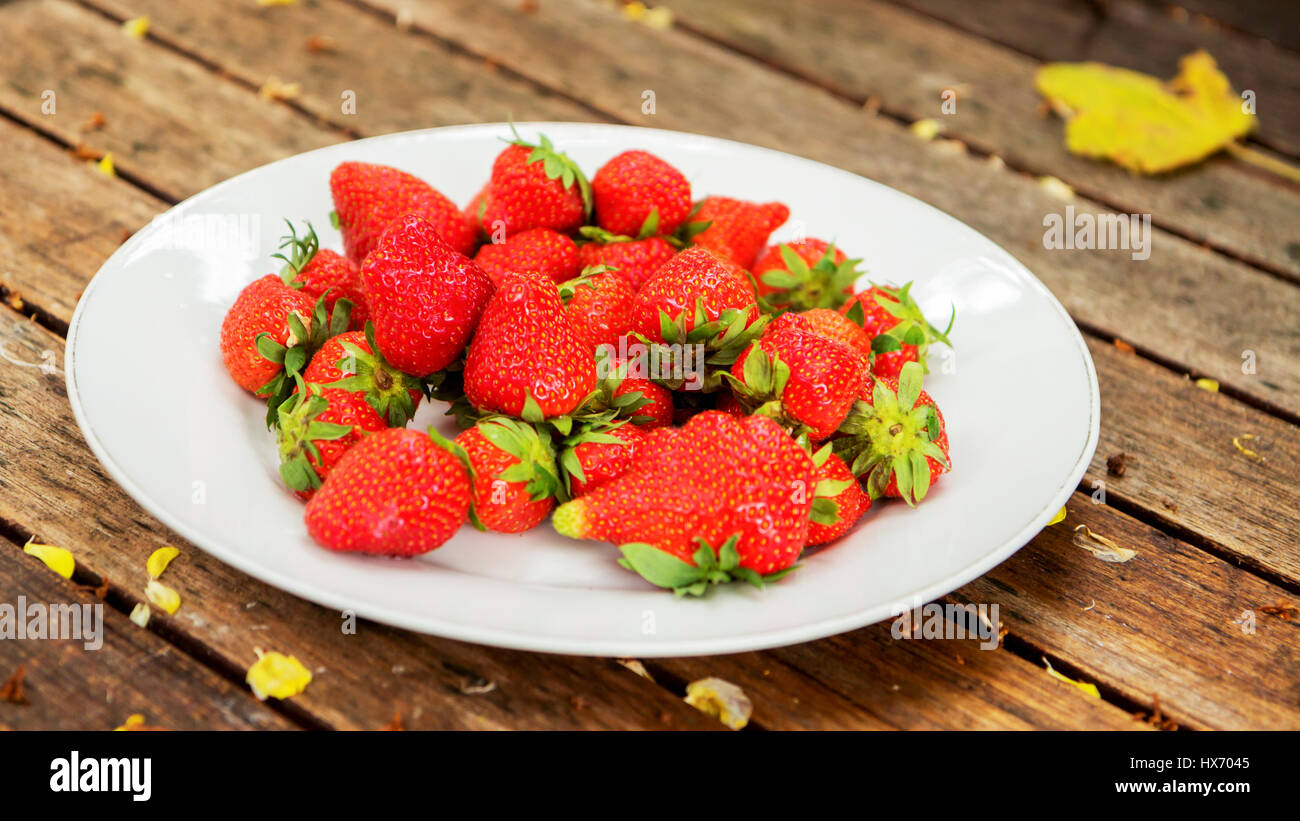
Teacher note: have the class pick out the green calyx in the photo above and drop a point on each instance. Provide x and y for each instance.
(761, 388)
(297, 432)
(596, 431)
(690, 228)
(711, 567)
(723, 339)
(825, 510)
(558, 166)
(801, 287)
(531, 446)
(300, 251)
(303, 344)
(912, 327)
(586, 279)
(385, 388)
(455, 449)
(602, 407)
(892, 436)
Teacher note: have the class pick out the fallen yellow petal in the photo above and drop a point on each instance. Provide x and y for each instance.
(274, 89)
(720, 699)
(1245, 451)
(635, 10)
(159, 559)
(137, 27)
(57, 559)
(1059, 517)
(1090, 689)
(162, 596)
(1056, 187)
(1101, 547)
(105, 165)
(132, 721)
(659, 17)
(277, 676)
(925, 129)
(140, 614)
(1208, 385)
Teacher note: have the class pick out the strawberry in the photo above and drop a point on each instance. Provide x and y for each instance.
(348, 362)
(838, 500)
(538, 250)
(802, 275)
(895, 437)
(898, 330)
(368, 198)
(315, 428)
(623, 388)
(515, 478)
(719, 499)
(636, 260)
(693, 288)
(267, 317)
(738, 230)
(535, 186)
(598, 454)
(425, 297)
(526, 359)
(599, 303)
(636, 192)
(319, 272)
(653, 406)
(798, 378)
(397, 492)
(474, 211)
(834, 325)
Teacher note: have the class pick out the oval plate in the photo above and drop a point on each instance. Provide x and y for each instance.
(151, 396)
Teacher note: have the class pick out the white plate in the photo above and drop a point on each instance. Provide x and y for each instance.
(1019, 396)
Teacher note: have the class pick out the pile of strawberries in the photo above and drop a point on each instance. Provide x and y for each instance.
(639, 364)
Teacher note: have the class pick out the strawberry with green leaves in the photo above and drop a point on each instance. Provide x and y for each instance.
(599, 303)
(398, 492)
(838, 499)
(596, 454)
(319, 272)
(315, 428)
(538, 250)
(369, 197)
(526, 359)
(425, 297)
(348, 362)
(797, 276)
(718, 500)
(535, 186)
(804, 381)
(267, 317)
(693, 288)
(899, 332)
(515, 477)
(638, 193)
(635, 258)
(895, 438)
(738, 230)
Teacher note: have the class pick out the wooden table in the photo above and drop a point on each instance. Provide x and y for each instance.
(1215, 530)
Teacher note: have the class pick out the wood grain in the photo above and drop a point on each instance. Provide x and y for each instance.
(907, 62)
(70, 685)
(1183, 302)
(1276, 22)
(1141, 36)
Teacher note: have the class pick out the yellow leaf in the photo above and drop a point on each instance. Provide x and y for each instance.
(160, 595)
(1090, 689)
(720, 699)
(1141, 123)
(137, 27)
(56, 558)
(159, 559)
(277, 675)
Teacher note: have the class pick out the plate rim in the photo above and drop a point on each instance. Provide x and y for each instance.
(549, 643)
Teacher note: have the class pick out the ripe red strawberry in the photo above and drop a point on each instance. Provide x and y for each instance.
(316, 427)
(797, 276)
(898, 330)
(397, 492)
(319, 272)
(599, 303)
(597, 454)
(724, 498)
(895, 437)
(535, 186)
(738, 230)
(348, 362)
(694, 278)
(639, 194)
(425, 297)
(835, 325)
(527, 360)
(263, 309)
(653, 409)
(798, 378)
(368, 198)
(624, 388)
(636, 260)
(538, 250)
(838, 500)
(515, 478)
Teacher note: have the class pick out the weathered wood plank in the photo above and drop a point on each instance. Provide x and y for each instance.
(907, 62)
(72, 684)
(1276, 22)
(50, 484)
(1161, 625)
(1144, 37)
(1184, 302)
